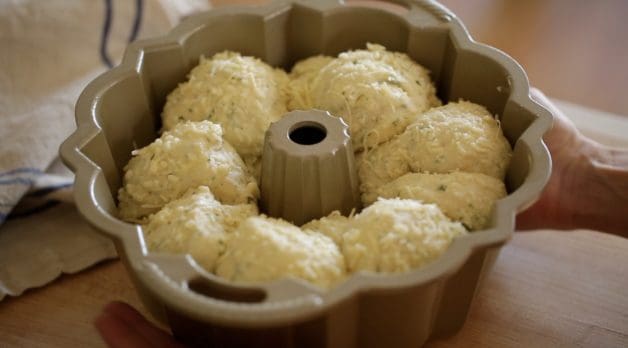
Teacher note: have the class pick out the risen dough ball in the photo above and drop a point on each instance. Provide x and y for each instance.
(190, 155)
(465, 197)
(196, 224)
(332, 225)
(375, 91)
(459, 136)
(264, 249)
(242, 94)
(301, 77)
(394, 235)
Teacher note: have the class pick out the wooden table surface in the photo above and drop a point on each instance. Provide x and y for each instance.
(547, 289)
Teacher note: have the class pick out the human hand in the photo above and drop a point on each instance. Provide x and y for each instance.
(588, 187)
(121, 326)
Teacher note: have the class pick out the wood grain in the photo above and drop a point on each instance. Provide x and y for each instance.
(61, 314)
(546, 289)
(552, 289)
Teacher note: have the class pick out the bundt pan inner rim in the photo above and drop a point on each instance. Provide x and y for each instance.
(173, 291)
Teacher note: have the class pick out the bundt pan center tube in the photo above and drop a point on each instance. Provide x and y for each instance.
(308, 168)
(120, 111)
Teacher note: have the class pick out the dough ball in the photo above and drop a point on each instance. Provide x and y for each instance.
(196, 224)
(465, 197)
(301, 77)
(190, 155)
(332, 225)
(263, 249)
(375, 91)
(242, 94)
(460, 136)
(395, 235)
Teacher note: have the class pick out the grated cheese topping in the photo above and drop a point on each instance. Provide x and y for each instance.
(197, 224)
(190, 155)
(242, 94)
(265, 249)
(375, 91)
(465, 197)
(460, 136)
(391, 235)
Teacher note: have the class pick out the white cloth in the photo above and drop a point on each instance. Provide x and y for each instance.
(49, 51)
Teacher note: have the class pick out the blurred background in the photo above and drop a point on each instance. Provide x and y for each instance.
(575, 50)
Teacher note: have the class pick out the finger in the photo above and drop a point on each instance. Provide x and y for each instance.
(133, 318)
(563, 133)
(117, 334)
(542, 99)
(559, 117)
(145, 329)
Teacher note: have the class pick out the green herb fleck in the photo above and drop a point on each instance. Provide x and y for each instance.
(442, 187)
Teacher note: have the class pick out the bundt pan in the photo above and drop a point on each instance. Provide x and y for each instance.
(120, 111)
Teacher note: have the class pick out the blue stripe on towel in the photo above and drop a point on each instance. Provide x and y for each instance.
(137, 20)
(21, 170)
(104, 35)
(46, 190)
(16, 181)
(106, 28)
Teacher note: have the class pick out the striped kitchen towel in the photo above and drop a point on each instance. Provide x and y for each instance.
(50, 51)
